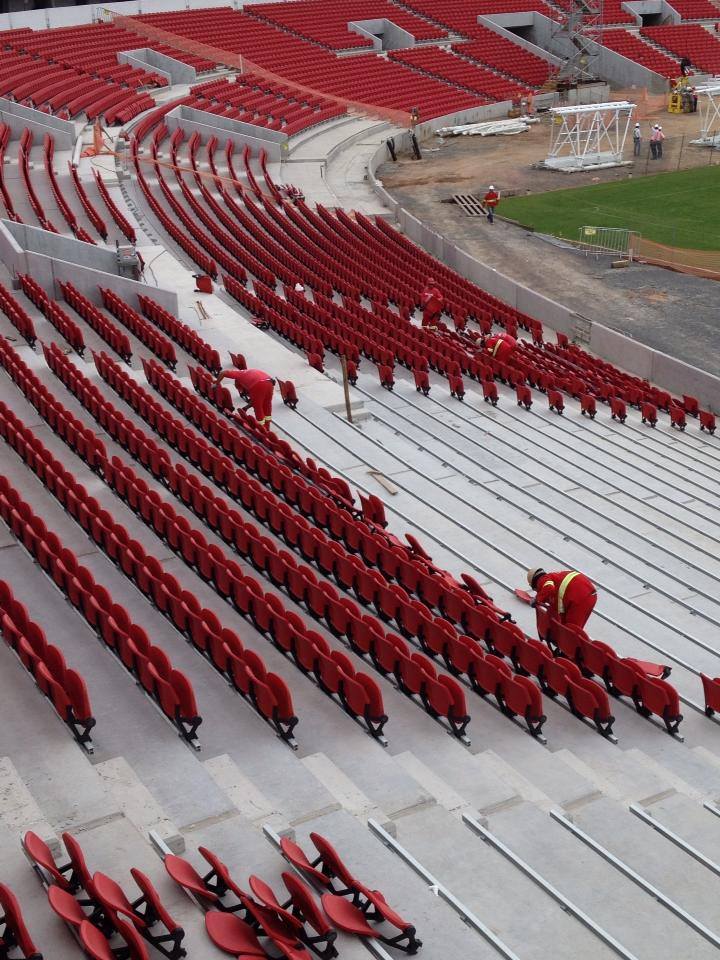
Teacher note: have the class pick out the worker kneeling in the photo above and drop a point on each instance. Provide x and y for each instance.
(432, 302)
(500, 346)
(256, 387)
(570, 596)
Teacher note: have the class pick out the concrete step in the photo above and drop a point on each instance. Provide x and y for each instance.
(527, 920)
(690, 821)
(541, 777)
(437, 924)
(630, 915)
(655, 858)
(628, 775)
(137, 803)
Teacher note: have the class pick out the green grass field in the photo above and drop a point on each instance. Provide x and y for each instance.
(680, 209)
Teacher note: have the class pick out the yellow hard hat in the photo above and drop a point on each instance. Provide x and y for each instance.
(533, 573)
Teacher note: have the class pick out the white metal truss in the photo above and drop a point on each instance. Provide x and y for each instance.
(589, 135)
(709, 111)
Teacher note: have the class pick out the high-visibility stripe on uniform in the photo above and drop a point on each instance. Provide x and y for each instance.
(566, 581)
(497, 345)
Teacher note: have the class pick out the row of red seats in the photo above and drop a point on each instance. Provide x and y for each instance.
(53, 312)
(368, 79)
(14, 933)
(139, 327)
(446, 65)
(70, 887)
(501, 53)
(117, 215)
(689, 40)
(97, 320)
(239, 924)
(68, 215)
(26, 142)
(633, 47)
(169, 687)
(64, 687)
(194, 250)
(181, 333)
(5, 133)
(17, 316)
(623, 677)
(389, 654)
(191, 493)
(265, 691)
(93, 216)
(322, 22)
(216, 250)
(237, 919)
(249, 253)
(347, 901)
(357, 693)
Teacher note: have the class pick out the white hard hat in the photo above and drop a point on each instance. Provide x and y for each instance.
(533, 573)
(491, 187)
(659, 126)
(637, 124)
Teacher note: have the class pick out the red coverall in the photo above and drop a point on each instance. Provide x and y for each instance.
(432, 303)
(570, 596)
(258, 387)
(500, 346)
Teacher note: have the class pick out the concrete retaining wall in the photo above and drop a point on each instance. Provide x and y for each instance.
(207, 125)
(50, 258)
(611, 345)
(18, 118)
(621, 72)
(175, 70)
(393, 36)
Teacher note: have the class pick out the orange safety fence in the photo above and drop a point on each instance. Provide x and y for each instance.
(240, 63)
(646, 104)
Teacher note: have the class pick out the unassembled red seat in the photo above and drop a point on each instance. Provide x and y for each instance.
(13, 932)
(232, 934)
(288, 393)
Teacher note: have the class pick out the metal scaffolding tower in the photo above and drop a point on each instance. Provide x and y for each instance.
(577, 35)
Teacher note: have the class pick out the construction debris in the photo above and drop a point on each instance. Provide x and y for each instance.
(488, 128)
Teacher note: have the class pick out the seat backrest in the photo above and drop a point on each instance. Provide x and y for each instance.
(15, 921)
(155, 906)
(77, 858)
(331, 860)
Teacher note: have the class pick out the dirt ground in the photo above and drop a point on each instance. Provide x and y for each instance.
(668, 311)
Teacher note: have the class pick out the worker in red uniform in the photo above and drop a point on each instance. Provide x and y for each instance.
(492, 199)
(256, 387)
(569, 595)
(432, 302)
(500, 346)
